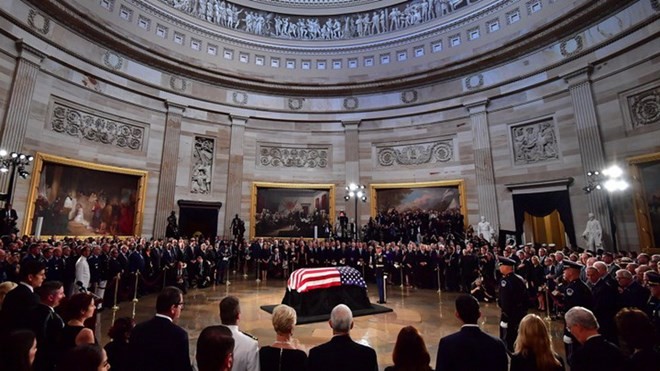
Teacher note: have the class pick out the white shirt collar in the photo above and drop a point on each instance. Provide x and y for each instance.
(164, 316)
(27, 285)
(470, 325)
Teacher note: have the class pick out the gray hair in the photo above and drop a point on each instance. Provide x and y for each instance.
(341, 318)
(602, 267)
(624, 273)
(582, 317)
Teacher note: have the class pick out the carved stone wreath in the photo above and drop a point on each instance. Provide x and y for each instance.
(416, 154)
(38, 21)
(474, 81)
(571, 46)
(94, 128)
(645, 108)
(409, 96)
(178, 84)
(293, 157)
(240, 97)
(113, 60)
(295, 104)
(351, 103)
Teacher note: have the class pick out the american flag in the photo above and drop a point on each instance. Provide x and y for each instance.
(306, 279)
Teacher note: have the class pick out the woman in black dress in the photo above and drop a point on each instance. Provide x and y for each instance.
(410, 353)
(117, 350)
(284, 354)
(534, 350)
(78, 309)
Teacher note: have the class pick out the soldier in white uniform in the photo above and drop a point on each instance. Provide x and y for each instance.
(246, 347)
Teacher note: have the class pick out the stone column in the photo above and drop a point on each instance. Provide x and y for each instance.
(20, 95)
(352, 151)
(168, 167)
(235, 174)
(483, 163)
(591, 147)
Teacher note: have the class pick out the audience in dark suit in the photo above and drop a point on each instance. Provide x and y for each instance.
(410, 352)
(533, 347)
(22, 299)
(470, 348)
(637, 336)
(341, 352)
(158, 344)
(47, 325)
(596, 353)
(214, 349)
(118, 349)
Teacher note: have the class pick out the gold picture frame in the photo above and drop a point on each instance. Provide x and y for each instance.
(297, 203)
(437, 186)
(85, 199)
(648, 221)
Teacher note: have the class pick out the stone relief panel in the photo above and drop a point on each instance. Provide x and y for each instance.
(293, 157)
(202, 165)
(644, 108)
(93, 127)
(416, 154)
(534, 142)
(345, 26)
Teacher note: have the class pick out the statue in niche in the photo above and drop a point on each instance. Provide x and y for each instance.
(237, 228)
(172, 230)
(485, 230)
(593, 233)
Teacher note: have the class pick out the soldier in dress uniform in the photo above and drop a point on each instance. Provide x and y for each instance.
(575, 294)
(512, 300)
(653, 309)
(379, 268)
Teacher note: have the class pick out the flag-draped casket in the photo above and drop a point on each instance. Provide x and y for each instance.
(315, 291)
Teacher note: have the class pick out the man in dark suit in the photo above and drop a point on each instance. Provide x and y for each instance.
(470, 348)
(596, 352)
(8, 218)
(22, 299)
(158, 344)
(47, 325)
(342, 353)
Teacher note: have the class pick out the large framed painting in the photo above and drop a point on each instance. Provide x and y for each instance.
(439, 197)
(645, 171)
(291, 210)
(76, 198)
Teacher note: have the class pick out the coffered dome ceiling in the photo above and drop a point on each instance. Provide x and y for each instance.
(325, 47)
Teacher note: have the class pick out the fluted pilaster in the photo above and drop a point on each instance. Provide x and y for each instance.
(483, 162)
(168, 167)
(591, 145)
(235, 172)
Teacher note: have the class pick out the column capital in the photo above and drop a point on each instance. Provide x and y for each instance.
(29, 53)
(238, 120)
(175, 108)
(579, 76)
(478, 106)
(351, 124)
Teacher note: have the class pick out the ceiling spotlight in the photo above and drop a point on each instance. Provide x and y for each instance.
(364, 198)
(598, 186)
(360, 194)
(30, 158)
(13, 155)
(23, 174)
(613, 171)
(3, 153)
(351, 194)
(21, 156)
(352, 186)
(589, 173)
(347, 198)
(4, 168)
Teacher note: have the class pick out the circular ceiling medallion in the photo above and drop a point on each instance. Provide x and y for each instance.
(113, 60)
(351, 103)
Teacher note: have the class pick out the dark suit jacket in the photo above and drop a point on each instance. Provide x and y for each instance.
(18, 302)
(471, 349)
(47, 326)
(159, 345)
(597, 354)
(342, 353)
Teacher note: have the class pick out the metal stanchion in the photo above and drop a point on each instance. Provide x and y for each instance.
(135, 299)
(165, 276)
(115, 307)
(547, 305)
(385, 287)
(401, 273)
(258, 271)
(437, 269)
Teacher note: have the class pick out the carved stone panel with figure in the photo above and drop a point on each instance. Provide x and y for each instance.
(534, 142)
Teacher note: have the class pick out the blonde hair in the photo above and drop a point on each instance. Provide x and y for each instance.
(534, 338)
(284, 318)
(5, 287)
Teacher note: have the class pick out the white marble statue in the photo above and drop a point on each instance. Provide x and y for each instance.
(485, 230)
(593, 233)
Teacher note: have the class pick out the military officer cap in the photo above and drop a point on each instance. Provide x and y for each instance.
(506, 261)
(572, 264)
(654, 278)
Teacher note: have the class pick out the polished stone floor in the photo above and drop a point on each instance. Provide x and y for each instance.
(432, 313)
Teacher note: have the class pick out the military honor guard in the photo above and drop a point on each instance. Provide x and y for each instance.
(512, 301)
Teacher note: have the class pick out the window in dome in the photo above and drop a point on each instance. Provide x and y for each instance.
(368, 61)
(437, 46)
(401, 55)
(320, 65)
(493, 25)
(534, 6)
(275, 62)
(161, 31)
(473, 33)
(306, 65)
(290, 64)
(196, 44)
(125, 13)
(212, 49)
(352, 63)
(513, 16)
(259, 60)
(455, 40)
(384, 58)
(108, 4)
(336, 64)
(144, 22)
(243, 57)
(419, 51)
(179, 38)
(228, 54)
